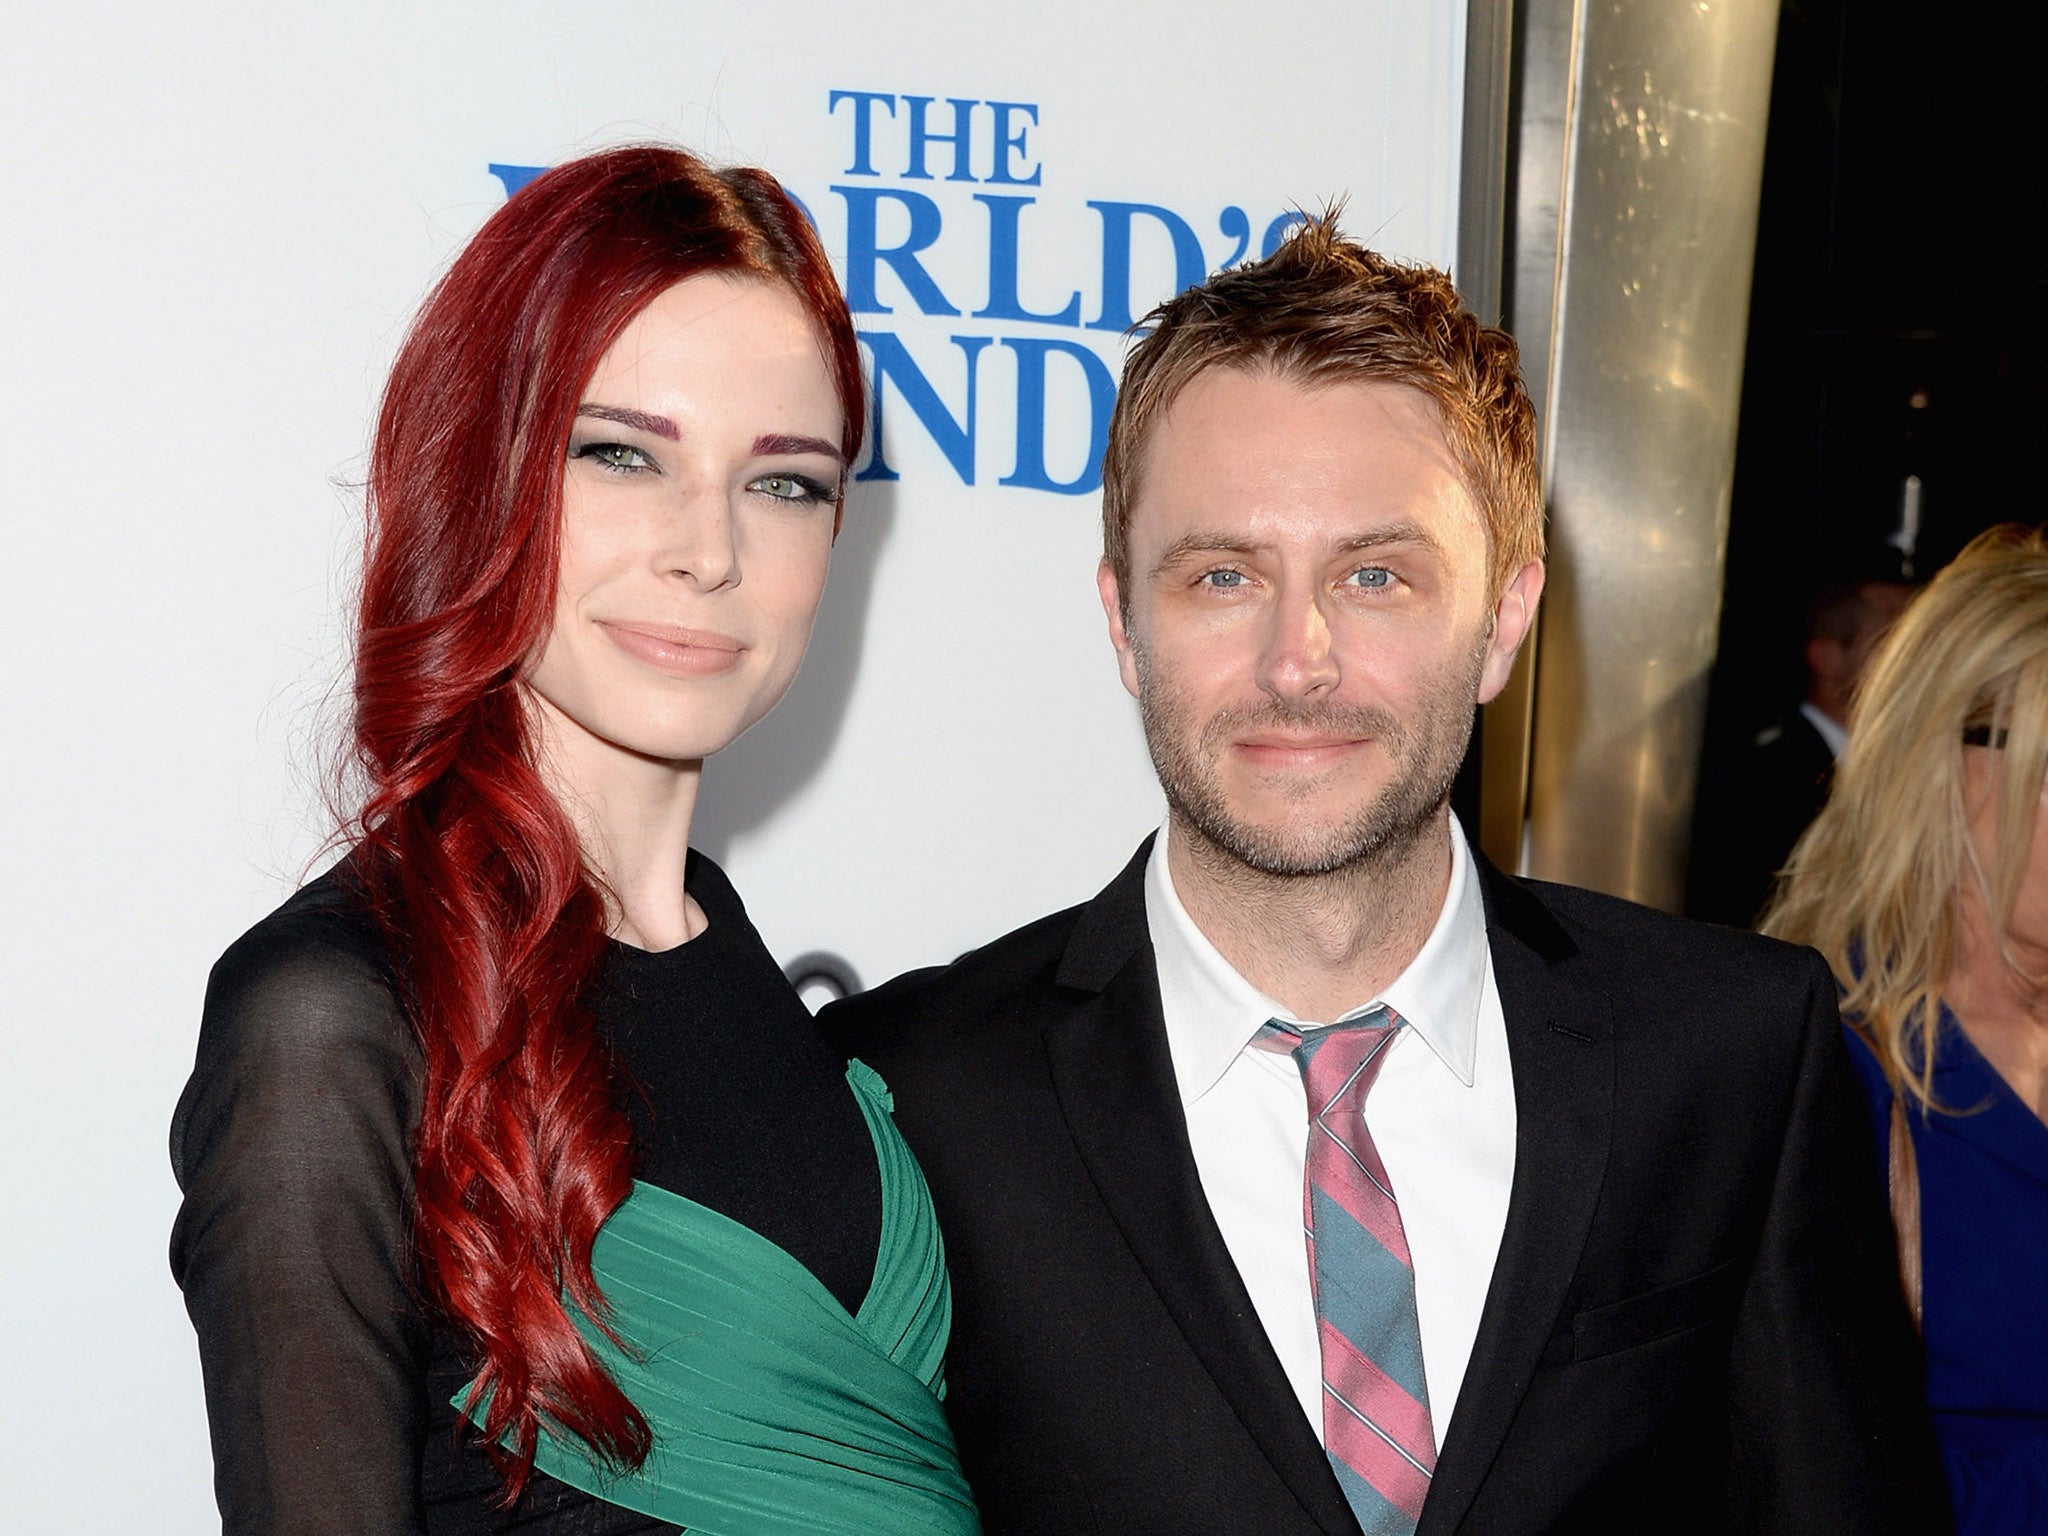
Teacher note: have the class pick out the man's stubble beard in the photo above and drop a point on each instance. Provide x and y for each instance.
(1424, 762)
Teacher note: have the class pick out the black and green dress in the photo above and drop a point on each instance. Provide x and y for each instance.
(775, 1276)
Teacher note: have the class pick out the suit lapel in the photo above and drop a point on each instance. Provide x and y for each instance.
(1113, 1073)
(1561, 1045)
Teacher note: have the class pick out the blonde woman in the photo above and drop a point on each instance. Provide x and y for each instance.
(1925, 883)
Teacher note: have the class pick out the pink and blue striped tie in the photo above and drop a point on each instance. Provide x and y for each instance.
(1376, 1425)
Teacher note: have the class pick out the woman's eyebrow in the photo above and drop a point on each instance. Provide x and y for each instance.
(782, 442)
(625, 416)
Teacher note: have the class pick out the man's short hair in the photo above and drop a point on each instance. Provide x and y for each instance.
(1324, 310)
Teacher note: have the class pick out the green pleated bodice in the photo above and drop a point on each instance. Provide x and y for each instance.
(774, 1411)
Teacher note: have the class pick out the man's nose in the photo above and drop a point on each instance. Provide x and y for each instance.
(1300, 659)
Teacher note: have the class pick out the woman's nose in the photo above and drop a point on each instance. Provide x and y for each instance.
(700, 541)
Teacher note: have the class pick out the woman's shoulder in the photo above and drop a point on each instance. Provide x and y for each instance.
(712, 889)
(305, 1086)
(1856, 1038)
(736, 947)
(308, 992)
(322, 944)
(1863, 1058)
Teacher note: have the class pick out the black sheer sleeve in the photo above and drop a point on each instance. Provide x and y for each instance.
(292, 1145)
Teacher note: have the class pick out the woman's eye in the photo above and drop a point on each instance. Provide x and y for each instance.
(795, 488)
(1224, 580)
(1371, 577)
(622, 458)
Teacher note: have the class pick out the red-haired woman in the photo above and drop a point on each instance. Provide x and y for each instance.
(520, 1190)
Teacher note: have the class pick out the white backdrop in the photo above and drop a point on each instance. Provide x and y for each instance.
(217, 218)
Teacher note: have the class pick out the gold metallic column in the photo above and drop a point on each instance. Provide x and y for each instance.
(1639, 135)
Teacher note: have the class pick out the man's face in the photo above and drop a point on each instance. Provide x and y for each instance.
(1834, 665)
(1882, 603)
(1311, 621)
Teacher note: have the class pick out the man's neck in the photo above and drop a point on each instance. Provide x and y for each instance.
(1321, 944)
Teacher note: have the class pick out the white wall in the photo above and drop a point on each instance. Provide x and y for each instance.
(217, 218)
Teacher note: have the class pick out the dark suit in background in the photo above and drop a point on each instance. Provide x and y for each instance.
(1751, 811)
(1756, 801)
(1691, 1325)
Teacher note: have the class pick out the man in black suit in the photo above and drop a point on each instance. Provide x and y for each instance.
(1590, 1241)
(1754, 804)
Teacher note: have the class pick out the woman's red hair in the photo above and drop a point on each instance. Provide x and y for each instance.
(471, 866)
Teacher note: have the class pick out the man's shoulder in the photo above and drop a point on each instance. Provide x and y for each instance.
(1624, 939)
(994, 988)
(1008, 986)
(1712, 1012)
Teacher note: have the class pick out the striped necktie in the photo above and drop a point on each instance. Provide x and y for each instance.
(1376, 1425)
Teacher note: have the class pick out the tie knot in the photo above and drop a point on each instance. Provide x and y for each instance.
(1336, 1060)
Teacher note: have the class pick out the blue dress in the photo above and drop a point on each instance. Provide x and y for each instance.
(1984, 1273)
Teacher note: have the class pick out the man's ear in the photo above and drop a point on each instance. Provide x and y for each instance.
(1512, 617)
(1112, 605)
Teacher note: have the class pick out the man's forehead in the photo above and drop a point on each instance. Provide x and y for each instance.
(1312, 393)
(1243, 440)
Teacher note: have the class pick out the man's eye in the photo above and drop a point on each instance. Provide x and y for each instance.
(1224, 579)
(1371, 577)
(621, 458)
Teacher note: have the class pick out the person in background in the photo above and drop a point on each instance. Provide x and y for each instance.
(1753, 807)
(521, 1191)
(1925, 884)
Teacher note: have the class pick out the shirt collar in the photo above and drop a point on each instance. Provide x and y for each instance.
(1212, 1012)
(1829, 729)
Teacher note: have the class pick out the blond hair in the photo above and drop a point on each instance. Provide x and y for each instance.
(1876, 883)
(1325, 310)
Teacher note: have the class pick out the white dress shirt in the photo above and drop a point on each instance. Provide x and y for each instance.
(1442, 1115)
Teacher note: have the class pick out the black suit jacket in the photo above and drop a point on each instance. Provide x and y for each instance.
(1751, 811)
(1693, 1322)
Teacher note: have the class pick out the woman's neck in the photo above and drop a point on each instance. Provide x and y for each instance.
(2004, 1013)
(632, 816)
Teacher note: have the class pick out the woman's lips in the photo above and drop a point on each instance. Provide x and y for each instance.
(672, 649)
